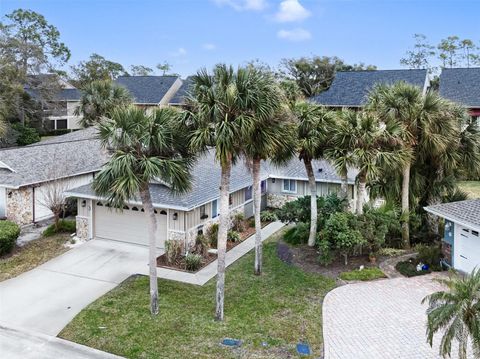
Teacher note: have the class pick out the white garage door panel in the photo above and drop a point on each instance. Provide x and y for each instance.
(467, 256)
(128, 226)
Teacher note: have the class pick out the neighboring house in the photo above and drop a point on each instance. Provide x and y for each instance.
(150, 91)
(183, 217)
(28, 173)
(350, 88)
(461, 241)
(462, 85)
(59, 105)
(179, 98)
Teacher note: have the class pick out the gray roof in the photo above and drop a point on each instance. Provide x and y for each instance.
(351, 88)
(77, 135)
(464, 212)
(147, 89)
(206, 181)
(461, 85)
(63, 156)
(179, 97)
(66, 94)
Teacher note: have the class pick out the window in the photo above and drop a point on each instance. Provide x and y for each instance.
(230, 200)
(203, 214)
(248, 193)
(214, 208)
(61, 124)
(289, 186)
(263, 187)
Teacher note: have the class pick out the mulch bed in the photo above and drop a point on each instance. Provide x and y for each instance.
(306, 258)
(180, 264)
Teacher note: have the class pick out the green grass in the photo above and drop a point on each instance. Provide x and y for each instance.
(472, 188)
(281, 307)
(64, 226)
(32, 255)
(364, 274)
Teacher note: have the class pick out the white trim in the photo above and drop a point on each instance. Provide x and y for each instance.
(289, 186)
(4, 165)
(49, 180)
(306, 179)
(454, 220)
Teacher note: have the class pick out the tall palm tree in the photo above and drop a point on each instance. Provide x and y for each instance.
(99, 99)
(456, 313)
(144, 148)
(223, 108)
(424, 131)
(314, 124)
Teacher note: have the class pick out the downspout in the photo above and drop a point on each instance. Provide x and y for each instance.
(33, 205)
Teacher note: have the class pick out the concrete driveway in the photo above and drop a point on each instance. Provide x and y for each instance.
(379, 319)
(48, 297)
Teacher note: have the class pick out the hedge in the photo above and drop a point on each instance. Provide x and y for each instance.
(9, 232)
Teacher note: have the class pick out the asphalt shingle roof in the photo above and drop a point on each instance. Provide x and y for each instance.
(467, 212)
(461, 85)
(179, 97)
(62, 156)
(147, 89)
(350, 88)
(66, 94)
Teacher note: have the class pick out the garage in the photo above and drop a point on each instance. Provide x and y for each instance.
(467, 249)
(128, 225)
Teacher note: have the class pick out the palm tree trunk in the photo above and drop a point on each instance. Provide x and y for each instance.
(406, 206)
(362, 190)
(258, 223)
(222, 236)
(152, 229)
(313, 202)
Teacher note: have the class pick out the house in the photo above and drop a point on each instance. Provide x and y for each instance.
(183, 217)
(461, 240)
(150, 91)
(60, 102)
(27, 174)
(179, 98)
(462, 85)
(350, 88)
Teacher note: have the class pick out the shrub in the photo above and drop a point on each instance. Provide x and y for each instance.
(391, 252)
(64, 226)
(325, 257)
(238, 223)
(268, 216)
(212, 235)
(298, 234)
(9, 232)
(193, 262)
(233, 236)
(26, 135)
(364, 274)
(251, 222)
(201, 246)
(373, 228)
(409, 268)
(173, 250)
(430, 255)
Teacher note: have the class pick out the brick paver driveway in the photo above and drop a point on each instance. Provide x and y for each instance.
(380, 319)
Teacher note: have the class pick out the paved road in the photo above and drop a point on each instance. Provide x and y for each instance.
(379, 319)
(48, 297)
(19, 344)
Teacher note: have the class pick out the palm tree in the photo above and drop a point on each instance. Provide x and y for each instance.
(314, 126)
(423, 130)
(99, 99)
(144, 148)
(456, 313)
(223, 108)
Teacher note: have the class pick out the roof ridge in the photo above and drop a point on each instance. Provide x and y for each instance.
(39, 144)
(380, 70)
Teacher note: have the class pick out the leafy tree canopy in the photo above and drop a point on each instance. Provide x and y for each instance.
(95, 68)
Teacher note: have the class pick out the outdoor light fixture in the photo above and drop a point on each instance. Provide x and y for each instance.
(273, 180)
(175, 216)
(84, 203)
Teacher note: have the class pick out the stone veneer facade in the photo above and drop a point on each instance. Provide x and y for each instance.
(20, 205)
(278, 200)
(82, 227)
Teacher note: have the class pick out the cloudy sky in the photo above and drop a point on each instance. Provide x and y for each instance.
(190, 34)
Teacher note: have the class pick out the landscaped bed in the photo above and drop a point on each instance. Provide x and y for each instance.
(270, 314)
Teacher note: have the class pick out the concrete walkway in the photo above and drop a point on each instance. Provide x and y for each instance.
(380, 319)
(19, 344)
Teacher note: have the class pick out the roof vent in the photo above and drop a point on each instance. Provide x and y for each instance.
(320, 170)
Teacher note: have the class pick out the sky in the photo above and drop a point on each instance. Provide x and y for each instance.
(190, 34)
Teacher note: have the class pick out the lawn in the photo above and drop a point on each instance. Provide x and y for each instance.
(363, 275)
(472, 188)
(32, 255)
(270, 314)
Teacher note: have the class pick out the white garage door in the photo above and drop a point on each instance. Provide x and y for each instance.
(467, 249)
(130, 225)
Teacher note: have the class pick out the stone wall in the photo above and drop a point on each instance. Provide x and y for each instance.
(278, 200)
(20, 205)
(175, 236)
(82, 227)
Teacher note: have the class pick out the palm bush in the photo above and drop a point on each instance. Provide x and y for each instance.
(455, 313)
(193, 262)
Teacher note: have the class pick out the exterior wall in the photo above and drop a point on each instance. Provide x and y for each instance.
(84, 219)
(20, 205)
(73, 120)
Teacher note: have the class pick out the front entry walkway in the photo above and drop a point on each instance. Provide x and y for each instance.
(379, 319)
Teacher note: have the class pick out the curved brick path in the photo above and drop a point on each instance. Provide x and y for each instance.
(379, 319)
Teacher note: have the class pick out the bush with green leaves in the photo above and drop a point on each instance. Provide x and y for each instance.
(391, 252)
(238, 222)
(251, 222)
(268, 216)
(373, 227)
(173, 250)
(341, 234)
(64, 226)
(212, 235)
(9, 232)
(26, 135)
(409, 268)
(201, 245)
(430, 255)
(193, 262)
(233, 236)
(298, 234)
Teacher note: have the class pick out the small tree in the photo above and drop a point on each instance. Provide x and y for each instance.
(456, 314)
